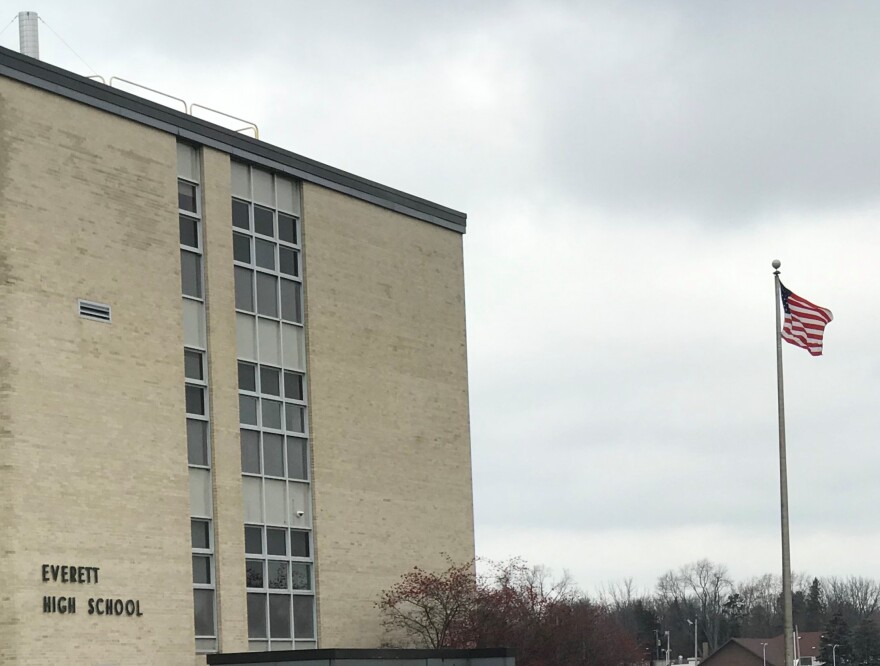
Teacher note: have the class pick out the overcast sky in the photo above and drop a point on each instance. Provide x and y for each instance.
(629, 171)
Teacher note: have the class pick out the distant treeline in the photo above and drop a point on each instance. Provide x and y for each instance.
(844, 609)
(550, 622)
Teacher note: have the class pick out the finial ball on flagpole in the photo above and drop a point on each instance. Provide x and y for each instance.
(776, 263)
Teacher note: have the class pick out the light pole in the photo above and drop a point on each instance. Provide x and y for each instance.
(667, 646)
(764, 652)
(695, 637)
(834, 653)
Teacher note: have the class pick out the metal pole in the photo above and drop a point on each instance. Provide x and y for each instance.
(28, 34)
(783, 479)
(695, 640)
(764, 652)
(834, 653)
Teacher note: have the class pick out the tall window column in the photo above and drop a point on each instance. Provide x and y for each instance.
(197, 398)
(273, 410)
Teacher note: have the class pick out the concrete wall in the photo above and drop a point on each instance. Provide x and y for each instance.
(389, 405)
(93, 458)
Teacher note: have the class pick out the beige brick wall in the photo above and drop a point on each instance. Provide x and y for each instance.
(92, 431)
(389, 405)
(93, 462)
(223, 380)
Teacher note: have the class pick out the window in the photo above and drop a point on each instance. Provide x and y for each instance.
(273, 410)
(203, 578)
(196, 398)
(280, 584)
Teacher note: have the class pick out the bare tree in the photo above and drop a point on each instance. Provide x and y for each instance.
(860, 596)
(703, 585)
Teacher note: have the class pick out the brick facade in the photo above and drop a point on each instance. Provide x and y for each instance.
(93, 463)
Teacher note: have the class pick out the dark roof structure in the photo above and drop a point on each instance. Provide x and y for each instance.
(380, 657)
(748, 651)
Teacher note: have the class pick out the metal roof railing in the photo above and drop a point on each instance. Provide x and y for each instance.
(187, 108)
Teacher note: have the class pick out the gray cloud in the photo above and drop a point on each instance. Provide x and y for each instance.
(629, 171)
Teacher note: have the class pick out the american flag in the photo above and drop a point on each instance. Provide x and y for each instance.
(804, 322)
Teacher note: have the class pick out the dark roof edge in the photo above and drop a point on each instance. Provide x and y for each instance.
(86, 91)
(360, 654)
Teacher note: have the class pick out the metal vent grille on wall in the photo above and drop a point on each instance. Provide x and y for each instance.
(92, 310)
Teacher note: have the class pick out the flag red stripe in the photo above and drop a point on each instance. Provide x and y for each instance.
(804, 324)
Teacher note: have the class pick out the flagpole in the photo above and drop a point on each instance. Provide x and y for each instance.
(783, 478)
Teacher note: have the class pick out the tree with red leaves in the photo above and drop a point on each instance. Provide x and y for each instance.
(547, 621)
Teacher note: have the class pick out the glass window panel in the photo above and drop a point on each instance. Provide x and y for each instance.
(200, 534)
(287, 228)
(253, 539)
(265, 254)
(247, 376)
(299, 544)
(197, 442)
(271, 414)
(270, 348)
(293, 386)
(293, 341)
(291, 301)
(192, 365)
(254, 573)
(191, 274)
(187, 162)
(247, 409)
(267, 294)
(199, 492)
(258, 646)
(287, 195)
(193, 323)
(276, 541)
(264, 189)
(277, 575)
(205, 645)
(252, 491)
(299, 504)
(189, 231)
(241, 181)
(276, 502)
(203, 608)
(186, 196)
(256, 604)
(241, 248)
(288, 261)
(301, 575)
(244, 289)
(297, 459)
(264, 221)
(246, 338)
(250, 451)
(304, 617)
(201, 569)
(195, 400)
(279, 616)
(240, 214)
(296, 417)
(270, 380)
(273, 454)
